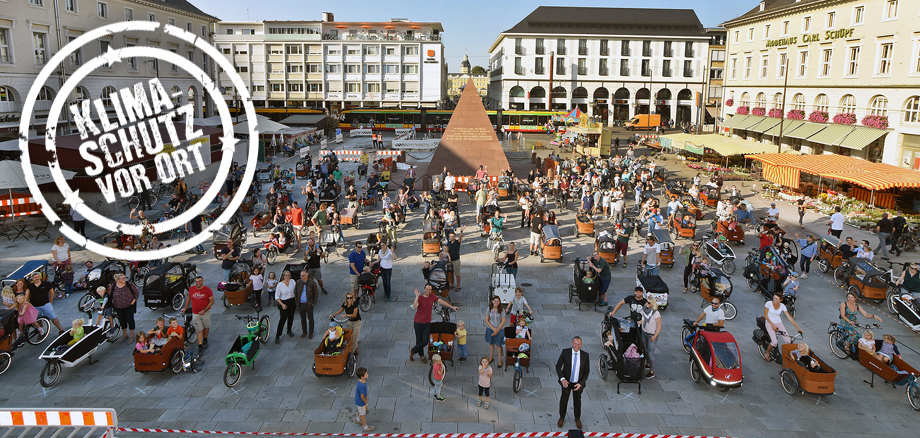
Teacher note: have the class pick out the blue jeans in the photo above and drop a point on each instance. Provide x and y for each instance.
(227, 274)
(437, 388)
(652, 270)
(422, 331)
(461, 350)
(386, 274)
(512, 271)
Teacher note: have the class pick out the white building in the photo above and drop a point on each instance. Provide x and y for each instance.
(860, 58)
(335, 65)
(602, 60)
(32, 31)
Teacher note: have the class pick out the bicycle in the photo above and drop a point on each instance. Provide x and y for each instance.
(246, 347)
(90, 304)
(134, 203)
(690, 330)
(776, 353)
(837, 338)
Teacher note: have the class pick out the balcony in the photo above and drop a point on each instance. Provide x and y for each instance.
(496, 72)
(540, 50)
(603, 71)
(518, 50)
(518, 70)
(624, 71)
(582, 51)
(688, 73)
(582, 70)
(539, 71)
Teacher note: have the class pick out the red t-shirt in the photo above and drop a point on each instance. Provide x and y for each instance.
(200, 298)
(423, 312)
(297, 216)
(765, 240)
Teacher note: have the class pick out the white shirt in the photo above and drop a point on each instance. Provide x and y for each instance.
(285, 292)
(774, 314)
(674, 206)
(774, 212)
(713, 316)
(386, 259)
(652, 254)
(575, 366)
(837, 221)
(449, 182)
(60, 252)
(256, 281)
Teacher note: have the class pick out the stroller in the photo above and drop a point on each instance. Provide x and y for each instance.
(439, 277)
(653, 286)
(720, 253)
(328, 239)
(625, 354)
(586, 292)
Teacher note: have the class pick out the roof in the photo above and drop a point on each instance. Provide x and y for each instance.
(771, 6)
(181, 5)
(610, 21)
(304, 119)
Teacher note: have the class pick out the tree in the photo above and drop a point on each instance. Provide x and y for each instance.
(478, 70)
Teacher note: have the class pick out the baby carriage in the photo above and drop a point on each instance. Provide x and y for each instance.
(584, 225)
(238, 290)
(328, 240)
(504, 187)
(441, 341)
(431, 237)
(684, 224)
(720, 253)
(439, 277)
(715, 358)
(624, 353)
(502, 284)
(653, 286)
(518, 352)
(582, 289)
(342, 362)
(605, 245)
(550, 243)
(59, 354)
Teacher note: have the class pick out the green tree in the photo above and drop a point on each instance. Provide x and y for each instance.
(478, 70)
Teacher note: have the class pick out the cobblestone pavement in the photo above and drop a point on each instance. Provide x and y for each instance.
(282, 395)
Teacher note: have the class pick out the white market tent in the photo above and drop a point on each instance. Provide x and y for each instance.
(264, 126)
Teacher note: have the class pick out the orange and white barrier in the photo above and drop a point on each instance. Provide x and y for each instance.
(345, 155)
(46, 419)
(24, 206)
(381, 154)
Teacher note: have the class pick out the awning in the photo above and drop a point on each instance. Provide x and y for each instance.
(733, 121)
(713, 111)
(765, 125)
(788, 127)
(722, 145)
(861, 137)
(782, 169)
(304, 119)
(749, 122)
(806, 130)
(831, 135)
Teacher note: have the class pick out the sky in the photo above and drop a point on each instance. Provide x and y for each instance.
(471, 25)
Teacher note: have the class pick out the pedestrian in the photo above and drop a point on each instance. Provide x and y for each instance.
(651, 254)
(495, 319)
(258, 283)
(228, 255)
(270, 284)
(485, 381)
(651, 328)
(202, 299)
(635, 303)
(356, 260)
(808, 253)
(297, 222)
(884, 228)
(438, 371)
(511, 257)
(361, 399)
(460, 337)
(60, 254)
(801, 207)
(350, 308)
(422, 320)
(313, 255)
(124, 300)
(306, 292)
(572, 369)
(387, 256)
(40, 294)
(517, 305)
(600, 265)
(79, 222)
(284, 296)
(453, 250)
(836, 222)
(259, 260)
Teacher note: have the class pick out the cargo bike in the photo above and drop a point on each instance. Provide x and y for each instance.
(619, 335)
(246, 347)
(518, 353)
(59, 354)
(342, 361)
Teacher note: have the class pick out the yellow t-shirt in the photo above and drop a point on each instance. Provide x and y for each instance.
(461, 337)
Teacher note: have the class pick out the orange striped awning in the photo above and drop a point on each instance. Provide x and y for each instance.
(873, 176)
(784, 176)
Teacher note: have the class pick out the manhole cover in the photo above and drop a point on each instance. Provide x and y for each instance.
(526, 284)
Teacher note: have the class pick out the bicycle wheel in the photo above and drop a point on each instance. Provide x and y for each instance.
(602, 366)
(154, 200)
(695, 373)
(518, 381)
(728, 267)
(232, 374)
(837, 341)
(790, 383)
(134, 203)
(50, 373)
(5, 360)
(840, 276)
(763, 350)
(730, 311)
(85, 305)
(913, 395)
(191, 334)
(264, 328)
(139, 276)
(177, 301)
(36, 337)
(175, 361)
(365, 302)
(272, 256)
(111, 330)
(684, 334)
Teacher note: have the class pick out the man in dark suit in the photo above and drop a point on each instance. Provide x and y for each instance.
(306, 293)
(572, 378)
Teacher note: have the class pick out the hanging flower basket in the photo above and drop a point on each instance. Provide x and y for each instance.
(730, 102)
(776, 113)
(759, 111)
(818, 117)
(743, 110)
(845, 119)
(796, 114)
(877, 122)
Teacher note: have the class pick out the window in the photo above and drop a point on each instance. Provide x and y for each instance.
(411, 50)
(6, 94)
(39, 44)
(747, 67)
(391, 69)
(294, 87)
(602, 69)
(798, 102)
(132, 62)
(373, 69)
(293, 50)
(70, 5)
(175, 68)
(276, 88)
(668, 52)
(171, 21)
(715, 73)
(761, 101)
(826, 57)
(410, 87)
(334, 68)
(734, 68)
(624, 67)
(583, 47)
(352, 68)
(225, 50)
(334, 87)
(858, 13)
(371, 50)
(76, 57)
(538, 66)
(688, 49)
(518, 68)
(778, 100)
(582, 66)
(916, 61)
(191, 57)
(884, 64)
(410, 69)
(107, 93)
(646, 48)
(764, 64)
(735, 39)
(560, 46)
(821, 103)
(247, 32)
(848, 104)
(806, 24)
(373, 87)
(258, 88)
(646, 67)
(750, 34)
(204, 31)
(315, 88)
(129, 14)
(803, 65)
(560, 66)
(151, 17)
(831, 20)
(36, 3)
(853, 61)
(103, 10)
(912, 110)
(715, 92)
(891, 9)
(766, 31)
(783, 63)
(745, 99)
(786, 28)
(316, 68)
(717, 55)
(605, 47)
(334, 50)
(624, 48)
(352, 50)
(878, 106)
(666, 68)
(389, 50)
(295, 68)
(188, 26)
(391, 87)
(688, 70)
(5, 46)
(229, 31)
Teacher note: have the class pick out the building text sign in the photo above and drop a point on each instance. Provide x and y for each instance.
(810, 38)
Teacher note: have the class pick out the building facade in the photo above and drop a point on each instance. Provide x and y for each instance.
(714, 73)
(456, 81)
(610, 62)
(335, 65)
(850, 65)
(32, 31)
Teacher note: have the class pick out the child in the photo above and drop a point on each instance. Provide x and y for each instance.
(67, 277)
(175, 330)
(438, 372)
(867, 342)
(28, 314)
(9, 297)
(888, 351)
(791, 285)
(141, 345)
(104, 306)
(610, 343)
(517, 305)
(460, 335)
(158, 336)
(76, 331)
(521, 331)
(271, 283)
(257, 284)
(361, 399)
(590, 277)
(803, 355)
(485, 381)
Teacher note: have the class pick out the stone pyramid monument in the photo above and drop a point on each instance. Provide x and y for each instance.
(469, 140)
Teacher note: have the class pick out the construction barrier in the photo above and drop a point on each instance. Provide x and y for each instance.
(96, 422)
(20, 205)
(416, 145)
(344, 155)
(362, 132)
(571, 433)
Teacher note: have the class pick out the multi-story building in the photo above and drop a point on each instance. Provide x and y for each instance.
(31, 31)
(456, 81)
(607, 61)
(713, 99)
(334, 65)
(856, 63)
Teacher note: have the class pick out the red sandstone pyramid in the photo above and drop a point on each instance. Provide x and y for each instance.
(469, 140)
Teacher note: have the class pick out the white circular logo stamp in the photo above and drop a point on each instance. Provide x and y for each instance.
(116, 150)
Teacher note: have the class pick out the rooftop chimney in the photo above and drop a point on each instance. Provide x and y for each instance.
(763, 5)
(328, 17)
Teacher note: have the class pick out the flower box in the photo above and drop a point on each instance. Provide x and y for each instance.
(877, 122)
(730, 102)
(759, 111)
(743, 110)
(796, 114)
(818, 117)
(845, 119)
(776, 113)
